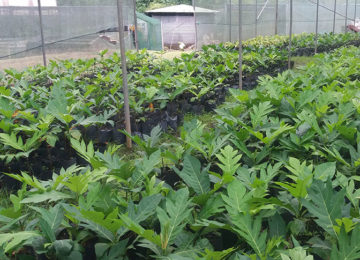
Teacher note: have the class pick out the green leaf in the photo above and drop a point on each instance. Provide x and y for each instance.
(237, 199)
(259, 113)
(63, 247)
(58, 103)
(144, 167)
(13, 240)
(229, 159)
(325, 171)
(297, 253)
(51, 196)
(53, 216)
(150, 235)
(193, 176)
(144, 209)
(277, 226)
(249, 228)
(325, 204)
(348, 246)
(172, 218)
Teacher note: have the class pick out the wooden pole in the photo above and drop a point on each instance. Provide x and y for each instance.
(317, 25)
(334, 22)
(240, 46)
(196, 34)
(276, 16)
(42, 33)
(136, 27)
(124, 71)
(290, 33)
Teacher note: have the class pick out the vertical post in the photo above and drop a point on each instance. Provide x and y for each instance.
(196, 35)
(124, 71)
(290, 33)
(136, 27)
(346, 15)
(230, 21)
(42, 33)
(240, 46)
(276, 16)
(355, 11)
(317, 25)
(256, 19)
(334, 22)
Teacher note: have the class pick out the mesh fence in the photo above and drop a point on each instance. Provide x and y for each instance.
(81, 29)
(259, 18)
(70, 31)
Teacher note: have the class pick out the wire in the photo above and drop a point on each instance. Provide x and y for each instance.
(327, 8)
(54, 42)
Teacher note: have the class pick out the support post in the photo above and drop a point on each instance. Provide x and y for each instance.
(276, 16)
(317, 25)
(256, 18)
(196, 34)
(355, 11)
(42, 34)
(290, 33)
(240, 46)
(124, 71)
(334, 22)
(136, 27)
(346, 15)
(230, 21)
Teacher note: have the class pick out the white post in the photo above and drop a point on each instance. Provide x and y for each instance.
(334, 22)
(42, 33)
(317, 25)
(136, 27)
(196, 35)
(290, 33)
(276, 16)
(124, 71)
(240, 45)
(230, 21)
(346, 15)
(256, 18)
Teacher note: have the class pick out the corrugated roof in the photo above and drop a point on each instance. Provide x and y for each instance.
(181, 9)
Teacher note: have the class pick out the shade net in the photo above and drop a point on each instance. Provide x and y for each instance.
(259, 18)
(73, 29)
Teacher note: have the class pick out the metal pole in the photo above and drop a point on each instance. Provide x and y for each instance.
(276, 16)
(124, 71)
(196, 35)
(317, 25)
(42, 33)
(355, 11)
(334, 22)
(136, 27)
(290, 33)
(346, 14)
(240, 46)
(230, 21)
(256, 19)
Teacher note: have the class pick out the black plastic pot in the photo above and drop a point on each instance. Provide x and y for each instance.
(172, 121)
(104, 136)
(68, 163)
(91, 132)
(118, 137)
(197, 109)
